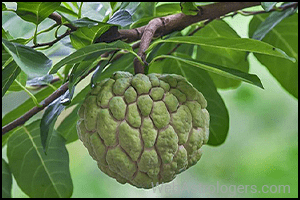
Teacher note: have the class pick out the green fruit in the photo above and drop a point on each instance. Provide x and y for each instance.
(144, 129)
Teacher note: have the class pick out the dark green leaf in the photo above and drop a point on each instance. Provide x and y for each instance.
(239, 44)
(85, 36)
(223, 71)
(285, 37)
(48, 120)
(94, 50)
(267, 6)
(36, 12)
(6, 180)
(67, 127)
(3, 7)
(219, 119)
(270, 22)
(9, 74)
(39, 175)
(78, 71)
(32, 62)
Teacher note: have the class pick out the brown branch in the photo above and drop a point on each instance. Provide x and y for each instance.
(177, 22)
(56, 17)
(148, 34)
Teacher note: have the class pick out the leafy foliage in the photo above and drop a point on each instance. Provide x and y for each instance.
(211, 56)
(37, 174)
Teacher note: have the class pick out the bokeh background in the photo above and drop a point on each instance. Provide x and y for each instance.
(261, 147)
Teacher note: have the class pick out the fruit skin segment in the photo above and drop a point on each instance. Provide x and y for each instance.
(144, 129)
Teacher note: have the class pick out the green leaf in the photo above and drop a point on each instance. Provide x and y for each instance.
(219, 28)
(6, 35)
(39, 175)
(144, 9)
(219, 118)
(21, 78)
(222, 81)
(239, 44)
(66, 10)
(225, 57)
(4, 7)
(6, 180)
(32, 62)
(167, 8)
(267, 6)
(85, 22)
(285, 37)
(86, 35)
(67, 127)
(230, 73)
(9, 74)
(36, 12)
(48, 120)
(270, 22)
(94, 50)
(189, 8)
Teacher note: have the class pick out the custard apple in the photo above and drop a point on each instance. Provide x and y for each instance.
(144, 129)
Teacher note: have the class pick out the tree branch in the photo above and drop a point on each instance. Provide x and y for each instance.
(54, 41)
(21, 120)
(177, 22)
(156, 27)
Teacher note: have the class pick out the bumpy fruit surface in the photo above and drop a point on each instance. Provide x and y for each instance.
(144, 129)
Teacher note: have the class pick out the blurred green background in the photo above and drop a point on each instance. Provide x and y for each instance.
(261, 148)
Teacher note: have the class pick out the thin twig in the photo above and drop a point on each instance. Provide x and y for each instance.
(54, 41)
